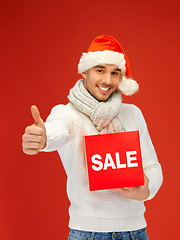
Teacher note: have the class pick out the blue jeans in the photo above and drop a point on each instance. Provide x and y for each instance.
(140, 234)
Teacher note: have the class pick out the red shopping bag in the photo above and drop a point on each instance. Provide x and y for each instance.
(114, 160)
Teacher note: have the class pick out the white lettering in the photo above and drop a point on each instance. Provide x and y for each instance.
(109, 162)
(95, 161)
(118, 164)
(129, 159)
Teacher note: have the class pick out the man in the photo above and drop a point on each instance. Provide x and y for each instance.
(96, 107)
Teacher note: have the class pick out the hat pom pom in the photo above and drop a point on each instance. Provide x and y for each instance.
(128, 86)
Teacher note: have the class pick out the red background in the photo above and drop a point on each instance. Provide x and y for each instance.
(40, 46)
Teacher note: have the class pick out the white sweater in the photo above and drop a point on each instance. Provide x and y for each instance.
(105, 210)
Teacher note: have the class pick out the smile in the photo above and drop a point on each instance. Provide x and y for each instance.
(104, 88)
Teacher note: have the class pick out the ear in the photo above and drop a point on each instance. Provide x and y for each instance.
(84, 74)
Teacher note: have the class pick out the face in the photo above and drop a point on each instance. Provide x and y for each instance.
(102, 80)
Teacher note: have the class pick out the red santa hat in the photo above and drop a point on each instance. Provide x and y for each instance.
(107, 50)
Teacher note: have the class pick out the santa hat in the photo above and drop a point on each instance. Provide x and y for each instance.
(107, 50)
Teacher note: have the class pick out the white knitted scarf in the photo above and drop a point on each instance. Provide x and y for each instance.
(104, 115)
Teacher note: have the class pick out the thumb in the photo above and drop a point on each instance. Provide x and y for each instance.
(37, 118)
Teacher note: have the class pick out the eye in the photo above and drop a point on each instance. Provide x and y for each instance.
(100, 70)
(115, 73)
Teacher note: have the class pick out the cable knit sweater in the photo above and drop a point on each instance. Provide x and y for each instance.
(105, 210)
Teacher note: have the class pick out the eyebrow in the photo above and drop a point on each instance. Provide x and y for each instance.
(117, 69)
(100, 66)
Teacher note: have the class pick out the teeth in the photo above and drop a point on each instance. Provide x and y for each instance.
(103, 88)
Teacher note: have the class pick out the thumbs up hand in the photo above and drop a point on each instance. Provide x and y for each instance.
(37, 118)
(34, 138)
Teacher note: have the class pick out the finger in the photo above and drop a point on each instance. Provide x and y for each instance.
(31, 138)
(146, 179)
(129, 188)
(30, 151)
(123, 192)
(119, 190)
(36, 115)
(31, 145)
(34, 130)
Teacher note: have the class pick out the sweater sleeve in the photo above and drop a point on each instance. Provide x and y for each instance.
(151, 166)
(58, 126)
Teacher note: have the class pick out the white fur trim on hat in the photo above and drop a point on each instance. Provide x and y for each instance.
(91, 59)
(128, 86)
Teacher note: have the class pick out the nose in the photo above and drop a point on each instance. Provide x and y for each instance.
(108, 79)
